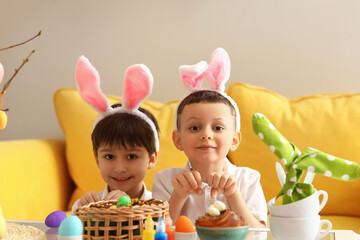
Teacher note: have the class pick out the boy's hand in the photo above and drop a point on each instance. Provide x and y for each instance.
(186, 183)
(116, 194)
(89, 197)
(222, 182)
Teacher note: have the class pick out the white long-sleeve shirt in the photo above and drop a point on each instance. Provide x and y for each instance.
(248, 182)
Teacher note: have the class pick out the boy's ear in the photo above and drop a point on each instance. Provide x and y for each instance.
(177, 140)
(152, 160)
(236, 141)
(96, 158)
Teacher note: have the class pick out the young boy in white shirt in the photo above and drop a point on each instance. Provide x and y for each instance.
(207, 128)
(125, 136)
(124, 148)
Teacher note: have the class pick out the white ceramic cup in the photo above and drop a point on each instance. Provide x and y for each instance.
(304, 208)
(298, 228)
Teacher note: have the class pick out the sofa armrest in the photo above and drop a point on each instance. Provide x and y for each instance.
(34, 179)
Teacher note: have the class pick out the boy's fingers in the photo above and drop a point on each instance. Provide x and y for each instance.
(108, 196)
(188, 181)
(230, 190)
(210, 179)
(112, 195)
(230, 181)
(215, 179)
(92, 197)
(213, 193)
(117, 195)
(224, 180)
(183, 181)
(95, 196)
(199, 191)
(192, 177)
(89, 198)
(177, 184)
(197, 178)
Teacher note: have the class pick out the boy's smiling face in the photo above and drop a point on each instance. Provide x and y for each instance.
(124, 169)
(207, 132)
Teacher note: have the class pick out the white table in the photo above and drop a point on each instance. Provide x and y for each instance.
(264, 234)
(254, 233)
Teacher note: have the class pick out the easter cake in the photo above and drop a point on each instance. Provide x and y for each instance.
(219, 216)
(119, 219)
(220, 223)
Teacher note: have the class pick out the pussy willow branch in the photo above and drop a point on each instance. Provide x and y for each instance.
(16, 71)
(19, 44)
(23, 63)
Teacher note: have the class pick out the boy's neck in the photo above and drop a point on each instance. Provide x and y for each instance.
(136, 193)
(206, 169)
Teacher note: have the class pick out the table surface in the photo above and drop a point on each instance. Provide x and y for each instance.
(254, 233)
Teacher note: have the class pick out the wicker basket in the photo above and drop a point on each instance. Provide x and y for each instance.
(119, 223)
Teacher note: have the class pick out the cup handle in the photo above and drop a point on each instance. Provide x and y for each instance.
(324, 200)
(327, 230)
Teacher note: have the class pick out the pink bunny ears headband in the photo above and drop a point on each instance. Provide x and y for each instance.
(217, 73)
(137, 87)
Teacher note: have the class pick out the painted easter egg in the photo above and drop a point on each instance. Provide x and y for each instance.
(71, 226)
(54, 219)
(124, 201)
(184, 224)
(220, 205)
(213, 211)
(3, 119)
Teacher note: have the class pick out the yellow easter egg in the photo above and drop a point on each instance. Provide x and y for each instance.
(3, 119)
(279, 201)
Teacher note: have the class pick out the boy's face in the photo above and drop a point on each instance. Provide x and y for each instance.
(207, 132)
(124, 169)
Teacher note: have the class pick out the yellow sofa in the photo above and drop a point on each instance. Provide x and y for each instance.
(40, 176)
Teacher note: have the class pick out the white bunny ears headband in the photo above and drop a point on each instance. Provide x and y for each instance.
(217, 73)
(138, 83)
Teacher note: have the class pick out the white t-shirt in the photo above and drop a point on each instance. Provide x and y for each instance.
(248, 182)
(145, 196)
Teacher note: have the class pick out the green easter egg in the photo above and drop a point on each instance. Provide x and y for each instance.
(124, 201)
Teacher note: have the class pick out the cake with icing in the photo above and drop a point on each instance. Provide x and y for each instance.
(220, 217)
(116, 219)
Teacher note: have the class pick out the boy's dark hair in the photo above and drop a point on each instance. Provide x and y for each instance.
(202, 96)
(125, 129)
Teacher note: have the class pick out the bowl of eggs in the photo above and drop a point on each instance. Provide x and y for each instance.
(220, 223)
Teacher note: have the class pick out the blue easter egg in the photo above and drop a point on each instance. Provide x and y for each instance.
(54, 219)
(71, 226)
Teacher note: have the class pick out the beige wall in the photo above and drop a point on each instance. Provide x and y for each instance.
(291, 47)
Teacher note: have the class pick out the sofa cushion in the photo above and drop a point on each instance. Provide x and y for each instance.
(34, 179)
(328, 122)
(76, 119)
